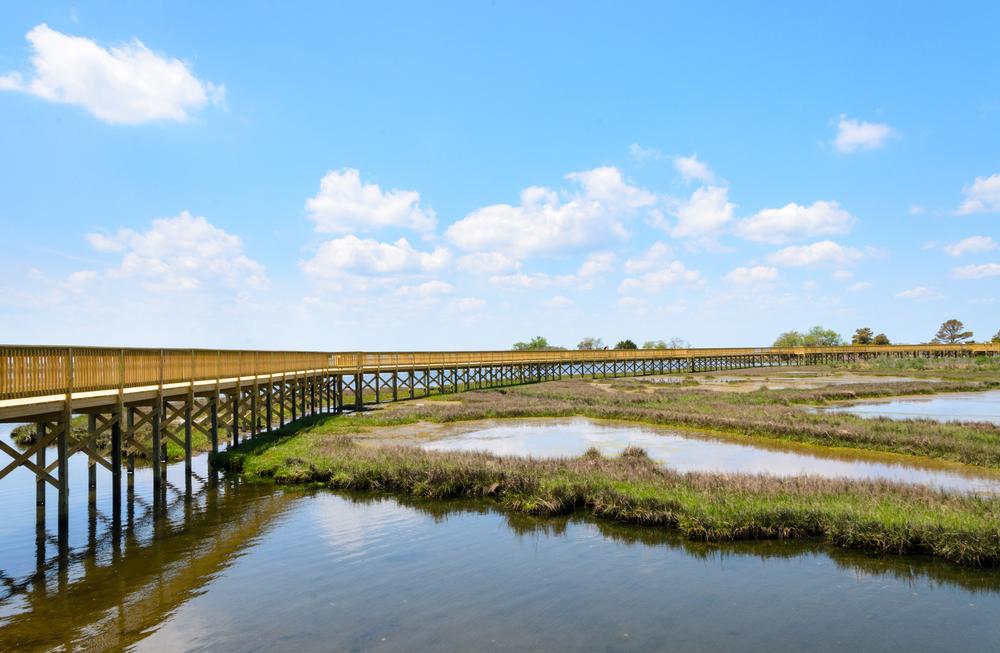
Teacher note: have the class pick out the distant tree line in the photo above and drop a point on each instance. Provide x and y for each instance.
(951, 332)
(540, 343)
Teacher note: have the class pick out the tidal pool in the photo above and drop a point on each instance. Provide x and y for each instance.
(230, 566)
(694, 452)
(950, 407)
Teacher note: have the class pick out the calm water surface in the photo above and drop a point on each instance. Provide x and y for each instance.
(237, 567)
(689, 452)
(952, 407)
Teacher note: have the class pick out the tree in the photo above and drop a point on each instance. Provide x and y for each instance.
(789, 339)
(535, 343)
(678, 343)
(862, 336)
(815, 337)
(654, 344)
(996, 337)
(881, 339)
(626, 344)
(591, 343)
(952, 332)
(820, 337)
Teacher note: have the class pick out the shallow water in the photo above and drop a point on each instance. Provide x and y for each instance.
(951, 407)
(240, 567)
(691, 452)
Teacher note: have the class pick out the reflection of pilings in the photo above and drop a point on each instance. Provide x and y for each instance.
(43, 538)
(115, 605)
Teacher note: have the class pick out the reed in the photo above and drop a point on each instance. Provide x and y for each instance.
(631, 488)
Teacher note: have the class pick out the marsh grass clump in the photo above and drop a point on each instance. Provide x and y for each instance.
(632, 452)
(873, 516)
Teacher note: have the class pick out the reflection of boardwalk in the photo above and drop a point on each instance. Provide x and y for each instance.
(139, 400)
(123, 584)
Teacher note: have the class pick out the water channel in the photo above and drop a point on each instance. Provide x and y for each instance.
(945, 407)
(694, 451)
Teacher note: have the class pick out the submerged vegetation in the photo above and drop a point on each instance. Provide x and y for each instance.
(631, 488)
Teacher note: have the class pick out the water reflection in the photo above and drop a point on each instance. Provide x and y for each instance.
(116, 590)
(257, 568)
(231, 566)
(952, 407)
(453, 576)
(691, 452)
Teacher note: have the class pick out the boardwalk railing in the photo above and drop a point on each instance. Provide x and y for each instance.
(27, 371)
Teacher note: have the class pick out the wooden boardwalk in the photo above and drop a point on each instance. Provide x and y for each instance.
(140, 399)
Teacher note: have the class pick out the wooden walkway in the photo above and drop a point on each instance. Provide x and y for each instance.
(141, 399)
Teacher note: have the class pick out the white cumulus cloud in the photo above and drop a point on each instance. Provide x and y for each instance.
(971, 245)
(824, 252)
(643, 154)
(691, 169)
(184, 252)
(533, 281)
(127, 84)
(794, 221)
(487, 263)
(981, 196)
(854, 135)
(748, 276)
(657, 254)
(705, 213)
(654, 271)
(431, 288)
(596, 264)
(353, 255)
(546, 222)
(344, 204)
(977, 271)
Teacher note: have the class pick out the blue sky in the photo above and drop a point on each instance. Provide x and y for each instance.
(465, 175)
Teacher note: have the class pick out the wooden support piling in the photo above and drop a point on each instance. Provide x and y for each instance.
(116, 461)
(156, 453)
(39, 479)
(213, 416)
(188, 408)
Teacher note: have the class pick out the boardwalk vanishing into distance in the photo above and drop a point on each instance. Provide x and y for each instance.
(142, 398)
